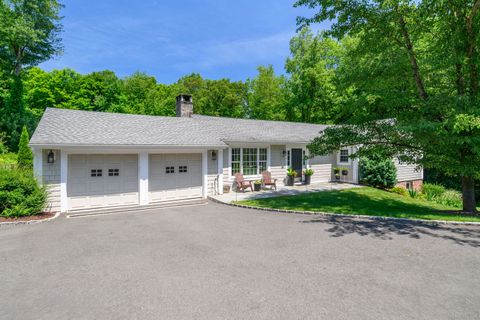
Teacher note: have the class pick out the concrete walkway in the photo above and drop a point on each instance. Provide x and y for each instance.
(282, 191)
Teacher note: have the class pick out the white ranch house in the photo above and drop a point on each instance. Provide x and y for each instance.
(91, 160)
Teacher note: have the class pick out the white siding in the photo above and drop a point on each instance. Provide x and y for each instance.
(212, 172)
(51, 180)
(278, 168)
(349, 167)
(322, 167)
(212, 184)
(212, 164)
(226, 179)
(408, 172)
(322, 173)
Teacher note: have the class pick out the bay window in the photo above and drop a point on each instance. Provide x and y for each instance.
(249, 161)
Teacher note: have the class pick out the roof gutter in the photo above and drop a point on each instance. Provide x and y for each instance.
(126, 146)
(267, 142)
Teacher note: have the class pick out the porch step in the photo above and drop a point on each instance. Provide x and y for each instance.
(131, 208)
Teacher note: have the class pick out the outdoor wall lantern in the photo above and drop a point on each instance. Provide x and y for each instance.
(284, 153)
(51, 157)
(214, 155)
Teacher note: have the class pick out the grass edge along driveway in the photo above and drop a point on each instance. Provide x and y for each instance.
(362, 201)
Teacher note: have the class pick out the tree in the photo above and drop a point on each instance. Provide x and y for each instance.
(137, 89)
(416, 79)
(30, 31)
(267, 95)
(25, 155)
(311, 66)
(222, 98)
(214, 97)
(101, 89)
(29, 35)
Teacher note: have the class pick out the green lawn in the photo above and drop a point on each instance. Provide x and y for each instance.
(363, 201)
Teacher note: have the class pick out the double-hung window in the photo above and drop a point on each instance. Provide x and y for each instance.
(249, 161)
(343, 156)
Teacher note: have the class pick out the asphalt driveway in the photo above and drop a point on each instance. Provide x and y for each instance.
(219, 262)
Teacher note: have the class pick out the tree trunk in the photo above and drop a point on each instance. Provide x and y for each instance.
(18, 62)
(468, 193)
(472, 50)
(459, 79)
(413, 59)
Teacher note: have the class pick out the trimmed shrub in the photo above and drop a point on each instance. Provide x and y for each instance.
(20, 194)
(8, 160)
(432, 190)
(450, 198)
(378, 172)
(399, 190)
(25, 155)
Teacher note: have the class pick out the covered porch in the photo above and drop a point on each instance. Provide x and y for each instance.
(282, 190)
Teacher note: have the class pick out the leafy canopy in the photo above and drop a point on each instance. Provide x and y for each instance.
(410, 72)
(29, 32)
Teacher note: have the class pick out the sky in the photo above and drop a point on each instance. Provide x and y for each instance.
(170, 39)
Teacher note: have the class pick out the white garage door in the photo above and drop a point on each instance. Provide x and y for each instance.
(96, 181)
(175, 176)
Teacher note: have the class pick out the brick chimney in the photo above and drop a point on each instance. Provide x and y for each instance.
(184, 106)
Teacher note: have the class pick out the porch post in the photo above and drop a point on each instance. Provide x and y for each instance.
(307, 163)
(269, 158)
(143, 178)
(63, 180)
(355, 168)
(220, 170)
(204, 173)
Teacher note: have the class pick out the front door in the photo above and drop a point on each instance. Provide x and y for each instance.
(297, 162)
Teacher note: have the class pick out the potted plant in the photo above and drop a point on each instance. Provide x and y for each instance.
(308, 174)
(291, 174)
(257, 184)
(226, 189)
(344, 171)
(336, 172)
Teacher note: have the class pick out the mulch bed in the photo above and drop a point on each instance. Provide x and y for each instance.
(41, 216)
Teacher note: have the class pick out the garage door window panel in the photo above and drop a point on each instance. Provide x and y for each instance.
(113, 172)
(96, 172)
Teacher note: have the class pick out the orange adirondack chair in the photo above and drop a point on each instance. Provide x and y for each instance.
(242, 184)
(267, 180)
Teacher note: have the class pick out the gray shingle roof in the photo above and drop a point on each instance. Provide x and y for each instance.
(86, 128)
